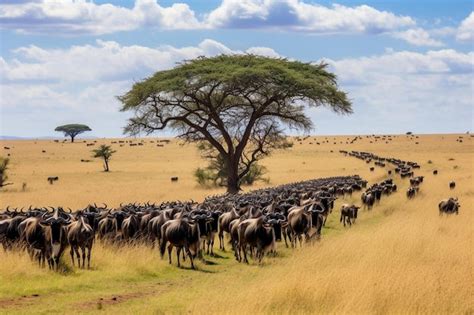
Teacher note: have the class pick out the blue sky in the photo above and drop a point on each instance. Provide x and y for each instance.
(407, 65)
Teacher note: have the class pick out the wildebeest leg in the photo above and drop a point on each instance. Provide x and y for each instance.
(170, 248)
(284, 237)
(71, 252)
(178, 252)
(237, 251)
(186, 249)
(89, 248)
(83, 249)
(78, 255)
(245, 254)
(211, 243)
(221, 240)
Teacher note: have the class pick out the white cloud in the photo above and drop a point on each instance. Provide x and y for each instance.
(466, 29)
(86, 17)
(431, 91)
(103, 61)
(403, 90)
(418, 37)
(301, 16)
(81, 16)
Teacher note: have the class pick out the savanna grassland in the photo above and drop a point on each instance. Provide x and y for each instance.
(401, 257)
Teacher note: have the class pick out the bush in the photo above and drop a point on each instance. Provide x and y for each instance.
(203, 176)
(255, 173)
(3, 171)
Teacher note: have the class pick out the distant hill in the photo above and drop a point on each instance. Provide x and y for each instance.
(11, 138)
(40, 138)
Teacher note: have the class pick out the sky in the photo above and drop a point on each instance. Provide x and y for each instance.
(406, 65)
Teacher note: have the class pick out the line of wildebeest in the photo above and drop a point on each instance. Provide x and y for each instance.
(254, 221)
(406, 170)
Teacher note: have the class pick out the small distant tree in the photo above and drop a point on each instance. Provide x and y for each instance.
(3, 171)
(105, 152)
(72, 130)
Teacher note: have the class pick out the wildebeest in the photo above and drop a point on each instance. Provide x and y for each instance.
(452, 184)
(182, 234)
(368, 199)
(174, 178)
(411, 192)
(300, 222)
(435, 172)
(449, 206)
(349, 214)
(80, 235)
(52, 179)
(224, 225)
(416, 181)
(255, 234)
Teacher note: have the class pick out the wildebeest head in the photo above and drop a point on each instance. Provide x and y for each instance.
(56, 224)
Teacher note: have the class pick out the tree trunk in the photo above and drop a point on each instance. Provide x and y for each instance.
(233, 182)
(72, 139)
(106, 165)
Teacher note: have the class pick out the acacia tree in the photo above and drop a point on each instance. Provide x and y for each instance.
(72, 130)
(105, 152)
(239, 104)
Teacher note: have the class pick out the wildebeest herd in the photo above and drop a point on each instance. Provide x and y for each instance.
(254, 221)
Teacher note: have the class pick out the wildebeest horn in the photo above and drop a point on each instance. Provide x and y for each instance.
(105, 205)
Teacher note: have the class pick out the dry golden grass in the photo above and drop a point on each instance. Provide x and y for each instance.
(399, 258)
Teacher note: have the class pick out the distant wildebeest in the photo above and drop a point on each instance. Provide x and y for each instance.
(349, 214)
(52, 179)
(372, 169)
(174, 178)
(411, 192)
(416, 181)
(449, 206)
(452, 185)
(435, 172)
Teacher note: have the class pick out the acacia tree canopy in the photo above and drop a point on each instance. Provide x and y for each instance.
(240, 104)
(72, 130)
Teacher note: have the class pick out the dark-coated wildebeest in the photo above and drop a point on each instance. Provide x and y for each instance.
(52, 179)
(449, 206)
(300, 221)
(411, 192)
(435, 172)
(349, 214)
(254, 233)
(155, 224)
(130, 227)
(452, 185)
(368, 199)
(55, 235)
(224, 225)
(80, 235)
(182, 234)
